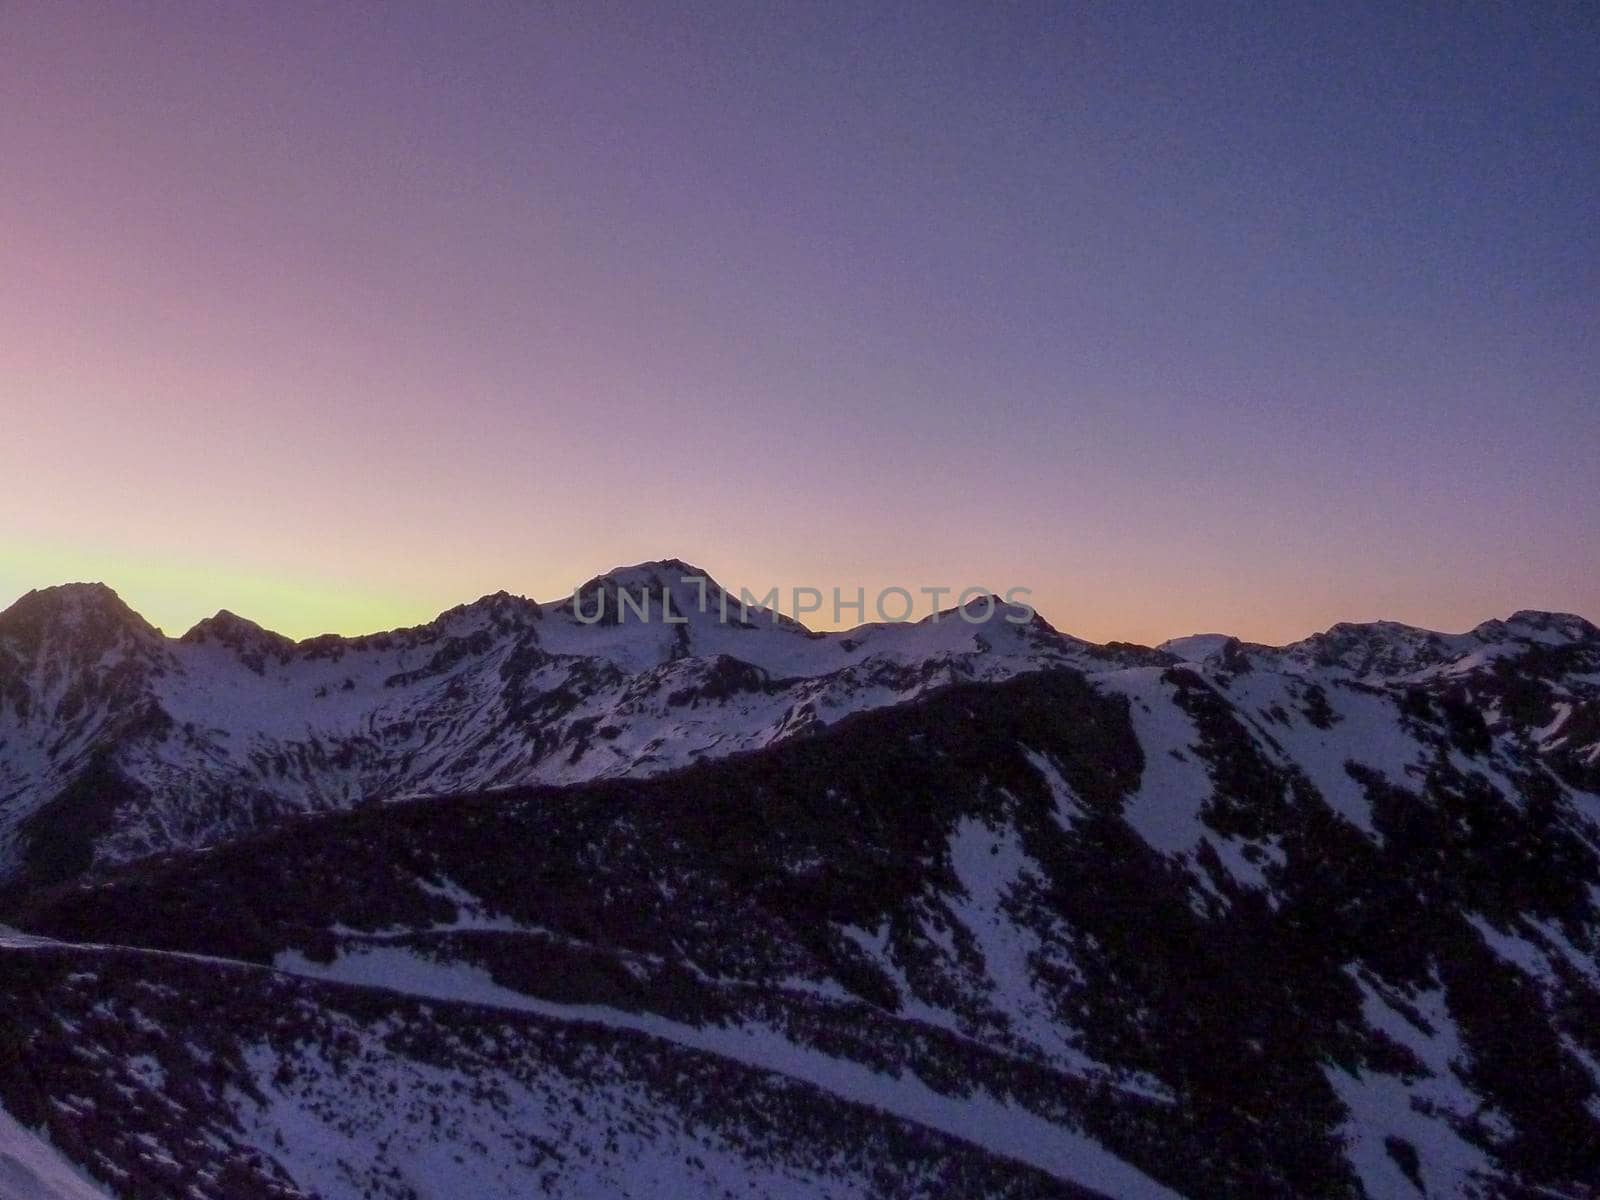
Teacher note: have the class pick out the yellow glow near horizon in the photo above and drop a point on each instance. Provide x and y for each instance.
(337, 317)
(174, 596)
(173, 592)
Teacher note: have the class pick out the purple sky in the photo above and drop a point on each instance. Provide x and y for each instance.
(1187, 317)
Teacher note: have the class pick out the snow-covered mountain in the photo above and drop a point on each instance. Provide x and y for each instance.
(1389, 652)
(704, 910)
(116, 741)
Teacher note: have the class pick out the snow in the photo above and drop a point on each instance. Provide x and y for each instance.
(784, 649)
(1532, 959)
(1420, 1110)
(1165, 811)
(1382, 1106)
(875, 944)
(989, 863)
(1367, 729)
(435, 1133)
(1068, 807)
(1546, 732)
(471, 916)
(32, 1169)
(978, 1118)
(334, 723)
(1197, 647)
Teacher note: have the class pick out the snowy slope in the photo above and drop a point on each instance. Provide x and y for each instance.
(116, 742)
(32, 1169)
(932, 909)
(200, 738)
(1159, 930)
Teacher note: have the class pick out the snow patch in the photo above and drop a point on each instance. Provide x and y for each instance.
(32, 1169)
(978, 1118)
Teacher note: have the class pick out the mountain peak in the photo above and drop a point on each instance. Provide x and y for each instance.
(230, 628)
(651, 580)
(668, 571)
(1374, 648)
(1387, 631)
(253, 644)
(81, 611)
(1198, 647)
(1547, 626)
(503, 610)
(79, 597)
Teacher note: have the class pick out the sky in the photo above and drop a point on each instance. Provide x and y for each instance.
(1186, 317)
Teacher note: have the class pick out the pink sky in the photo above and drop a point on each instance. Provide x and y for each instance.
(339, 318)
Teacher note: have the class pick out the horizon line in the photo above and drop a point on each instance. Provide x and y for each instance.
(779, 621)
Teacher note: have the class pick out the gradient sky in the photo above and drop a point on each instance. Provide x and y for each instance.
(1188, 317)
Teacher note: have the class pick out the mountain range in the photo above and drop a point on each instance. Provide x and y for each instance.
(513, 904)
